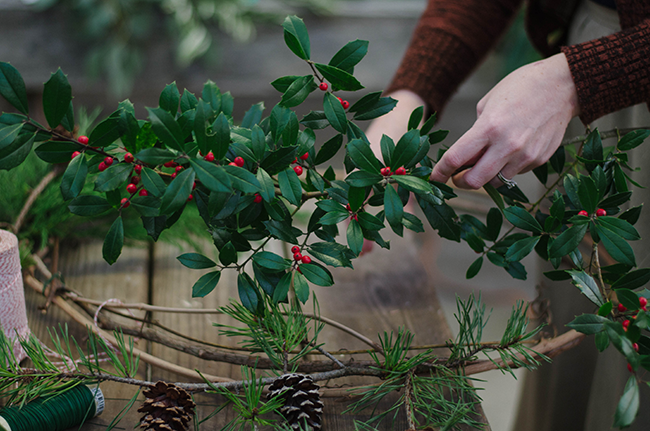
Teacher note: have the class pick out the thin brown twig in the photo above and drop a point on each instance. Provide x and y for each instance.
(47, 179)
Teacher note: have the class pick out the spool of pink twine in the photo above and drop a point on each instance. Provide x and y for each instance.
(13, 315)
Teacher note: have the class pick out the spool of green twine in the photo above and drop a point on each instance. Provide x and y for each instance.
(57, 413)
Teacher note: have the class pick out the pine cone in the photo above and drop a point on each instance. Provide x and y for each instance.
(302, 404)
(167, 407)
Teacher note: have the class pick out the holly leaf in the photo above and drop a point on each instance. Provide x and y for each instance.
(588, 324)
(166, 128)
(205, 284)
(74, 178)
(316, 274)
(339, 78)
(114, 241)
(335, 113)
(586, 284)
(12, 87)
(248, 294)
(350, 55)
(57, 94)
(296, 36)
(271, 261)
(522, 219)
(628, 405)
(196, 261)
(89, 205)
(177, 192)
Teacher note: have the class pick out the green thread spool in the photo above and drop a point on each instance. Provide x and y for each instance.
(57, 413)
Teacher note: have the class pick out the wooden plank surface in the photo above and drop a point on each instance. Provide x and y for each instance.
(386, 290)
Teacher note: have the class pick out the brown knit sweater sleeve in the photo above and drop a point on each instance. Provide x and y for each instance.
(450, 40)
(613, 72)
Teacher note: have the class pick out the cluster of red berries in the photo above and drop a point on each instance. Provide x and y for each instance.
(599, 213)
(298, 257)
(387, 172)
(344, 103)
(354, 216)
(298, 169)
(105, 164)
(239, 162)
(258, 198)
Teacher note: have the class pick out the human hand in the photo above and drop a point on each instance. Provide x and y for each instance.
(519, 125)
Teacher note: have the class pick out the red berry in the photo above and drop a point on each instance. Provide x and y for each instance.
(170, 164)
(108, 161)
(239, 162)
(354, 217)
(600, 212)
(347, 207)
(340, 100)
(124, 203)
(258, 198)
(128, 158)
(102, 167)
(190, 197)
(400, 171)
(131, 188)
(209, 157)
(232, 164)
(135, 179)
(75, 154)
(626, 324)
(345, 104)
(295, 160)
(179, 168)
(629, 368)
(323, 86)
(137, 169)
(83, 139)
(386, 171)
(583, 213)
(304, 156)
(643, 301)
(173, 175)
(636, 347)
(298, 170)
(143, 192)
(306, 259)
(193, 185)
(297, 256)
(295, 249)
(621, 307)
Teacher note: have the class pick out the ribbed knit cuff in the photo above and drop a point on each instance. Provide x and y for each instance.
(611, 73)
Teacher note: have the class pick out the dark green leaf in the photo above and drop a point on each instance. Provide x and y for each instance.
(615, 200)
(350, 55)
(628, 298)
(441, 218)
(371, 109)
(619, 227)
(155, 156)
(212, 95)
(282, 84)
(221, 129)
(316, 180)
(258, 142)
(147, 206)
(282, 289)
(557, 160)
(558, 275)
(494, 222)
(631, 215)
(74, 178)
(169, 98)
(113, 242)
(355, 237)
(228, 254)
(315, 120)
(571, 188)
(301, 287)
(516, 270)
(290, 186)
(394, 209)
(522, 219)
(281, 230)
(68, 119)
(278, 160)
(616, 246)
(412, 222)
(416, 118)
(296, 36)
(205, 284)
(298, 91)
(267, 190)
(152, 182)
(474, 268)
(112, 177)
(329, 149)
(88, 205)
(521, 248)
(587, 286)
(196, 261)
(335, 113)
(632, 139)
(495, 196)
(628, 405)
(369, 221)
(316, 274)
(253, 116)
(188, 101)
(166, 128)
(248, 294)
(362, 179)
(541, 172)
(339, 78)
(405, 149)
(333, 254)
(602, 341)
(605, 309)
(363, 157)
(567, 241)
(57, 95)
(588, 324)
(387, 148)
(177, 192)
(633, 279)
(213, 177)
(272, 261)
(14, 153)
(12, 87)
(588, 194)
(413, 184)
(242, 179)
(438, 136)
(105, 133)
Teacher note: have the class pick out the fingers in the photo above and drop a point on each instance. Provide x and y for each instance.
(465, 152)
